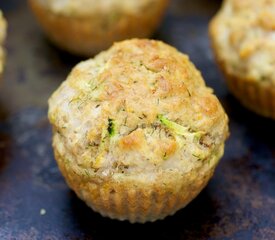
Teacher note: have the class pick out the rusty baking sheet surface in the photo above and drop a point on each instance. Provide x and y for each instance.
(35, 203)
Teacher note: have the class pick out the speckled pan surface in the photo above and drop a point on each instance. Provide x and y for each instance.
(237, 203)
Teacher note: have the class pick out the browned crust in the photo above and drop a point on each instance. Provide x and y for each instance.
(131, 200)
(84, 35)
(256, 96)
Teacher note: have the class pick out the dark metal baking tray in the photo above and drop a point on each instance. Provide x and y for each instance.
(238, 203)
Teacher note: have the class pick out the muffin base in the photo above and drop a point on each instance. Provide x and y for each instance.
(85, 36)
(257, 97)
(137, 201)
(2, 60)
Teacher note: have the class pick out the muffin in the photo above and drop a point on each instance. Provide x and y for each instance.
(136, 133)
(243, 39)
(85, 27)
(3, 29)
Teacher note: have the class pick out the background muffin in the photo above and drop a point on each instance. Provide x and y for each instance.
(85, 27)
(137, 134)
(3, 29)
(243, 38)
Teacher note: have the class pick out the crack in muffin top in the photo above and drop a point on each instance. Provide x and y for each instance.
(137, 107)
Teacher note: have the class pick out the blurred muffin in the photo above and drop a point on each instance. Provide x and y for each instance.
(86, 27)
(3, 29)
(137, 134)
(243, 39)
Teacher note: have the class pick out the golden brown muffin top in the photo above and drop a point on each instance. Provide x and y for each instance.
(3, 29)
(140, 106)
(88, 7)
(244, 38)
